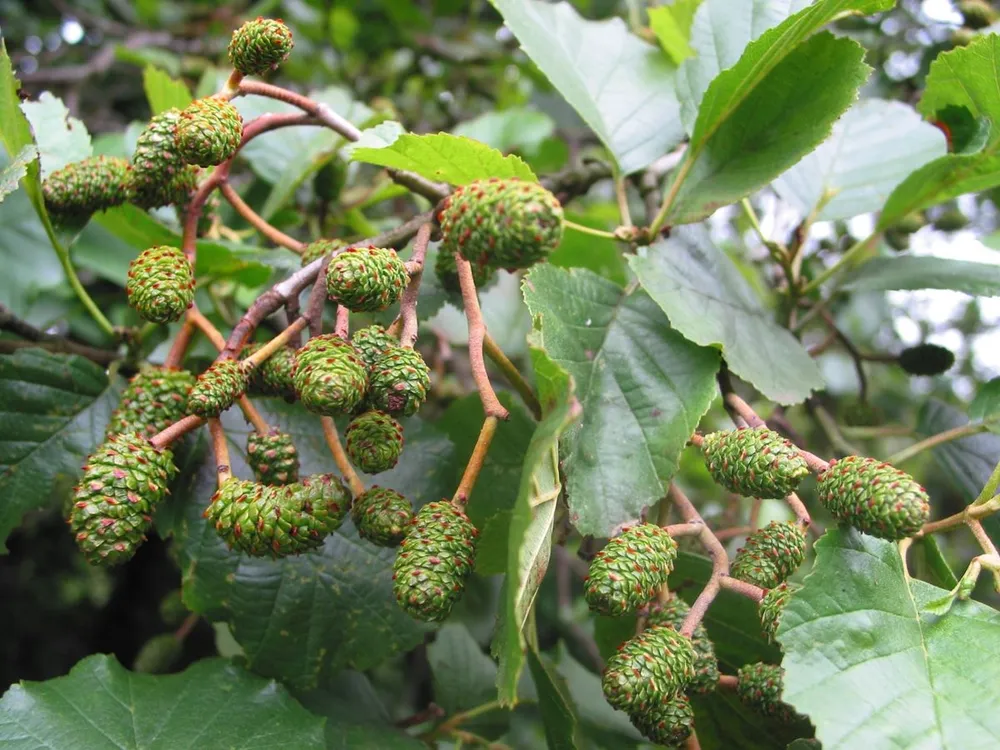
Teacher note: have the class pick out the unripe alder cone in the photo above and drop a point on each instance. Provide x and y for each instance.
(278, 521)
(330, 377)
(770, 555)
(371, 343)
(447, 272)
(874, 497)
(668, 723)
(160, 284)
(433, 561)
(911, 223)
(951, 221)
(122, 482)
(374, 441)
(275, 376)
(273, 457)
(760, 686)
(159, 176)
(330, 180)
(706, 665)
(770, 609)
(320, 248)
(754, 462)
(366, 279)
(208, 132)
(153, 400)
(382, 516)
(80, 189)
(501, 223)
(260, 46)
(629, 572)
(217, 388)
(158, 654)
(399, 383)
(652, 667)
(926, 359)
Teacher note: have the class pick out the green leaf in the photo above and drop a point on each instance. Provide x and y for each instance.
(530, 537)
(55, 408)
(926, 272)
(164, 92)
(672, 26)
(14, 172)
(621, 87)
(303, 617)
(708, 300)
(513, 129)
(599, 254)
(872, 667)
(604, 726)
(939, 181)
(445, 157)
(985, 407)
(61, 139)
(100, 704)
(968, 461)
(874, 146)
(562, 727)
(32, 270)
(463, 674)
(642, 385)
(14, 129)
(764, 114)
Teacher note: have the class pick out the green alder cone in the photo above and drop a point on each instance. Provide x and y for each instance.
(319, 248)
(631, 569)
(669, 723)
(366, 279)
(208, 132)
(706, 665)
(330, 180)
(261, 520)
(435, 558)
(770, 555)
(653, 666)
(501, 223)
(123, 481)
(951, 221)
(217, 388)
(82, 188)
(158, 654)
(275, 376)
(400, 380)
(874, 497)
(770, 609)
(374, 441)
(911, 223)
(926, 359)
(760, 686)
(382, 516)
(160, 284)
(273, 458)
(371, 343)
(447, 272)
(153, 400)
(754, 462)
(159, 176)
(260, 46)
(172, 610)
(330, 377)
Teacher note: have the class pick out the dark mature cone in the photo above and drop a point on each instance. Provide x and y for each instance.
(706, 666)
(653, 666)
(874, 497)
(382, 516)
(366, 279)
(330, 377)
(80, 189)
(260, 46)
(435, 558)
(754, 462)
(319, 248)
(209, 132)
(159, 176)
(217, 388)
(770, 555)
(374, 441)
(951, 221)
(153, 400)
(275, 376)
(158, 654)
(447, 273)
(399, 382)
(123, 480)
(160, 284)
(629, 572)
(669, 723)
(371, 343)
(926, 359)
(278, 521)
(501, 223)
(977, 14)
(770, 609)
(759, 686)
(273, 458)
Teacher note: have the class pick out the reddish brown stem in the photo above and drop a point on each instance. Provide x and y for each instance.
(683, 529)
(177, 430)
(744, 410)
(265, 352)
(476, 461)
(220, 450)
(408, 304)
(186, 627)
(754, 593)
(799, 509)
(477, 332)
(340, 457)
(728, 681)
(257, 221)
(317, 300)
(733, 532)
(179, 348)
(431, 713)
(342, 326)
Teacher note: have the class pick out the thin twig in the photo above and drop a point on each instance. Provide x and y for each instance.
(342, 326)
(177, 430)
(268, 349)
(513, 375)
(408, 304)
(749, 590)
(431, 713)
(317, 300)
(257, 221)
(340, 457)
(220, 450)
(175, 357)
(477, 332)
(476, 461)
(955, 433)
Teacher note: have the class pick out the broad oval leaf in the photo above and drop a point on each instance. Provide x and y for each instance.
(61, 139)
(643, 388)
(967, 461)
(672, 26)
(985, 407)
(874, 667)
(100, 704)
(164, 92)
(926, 272)
(14, 172)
